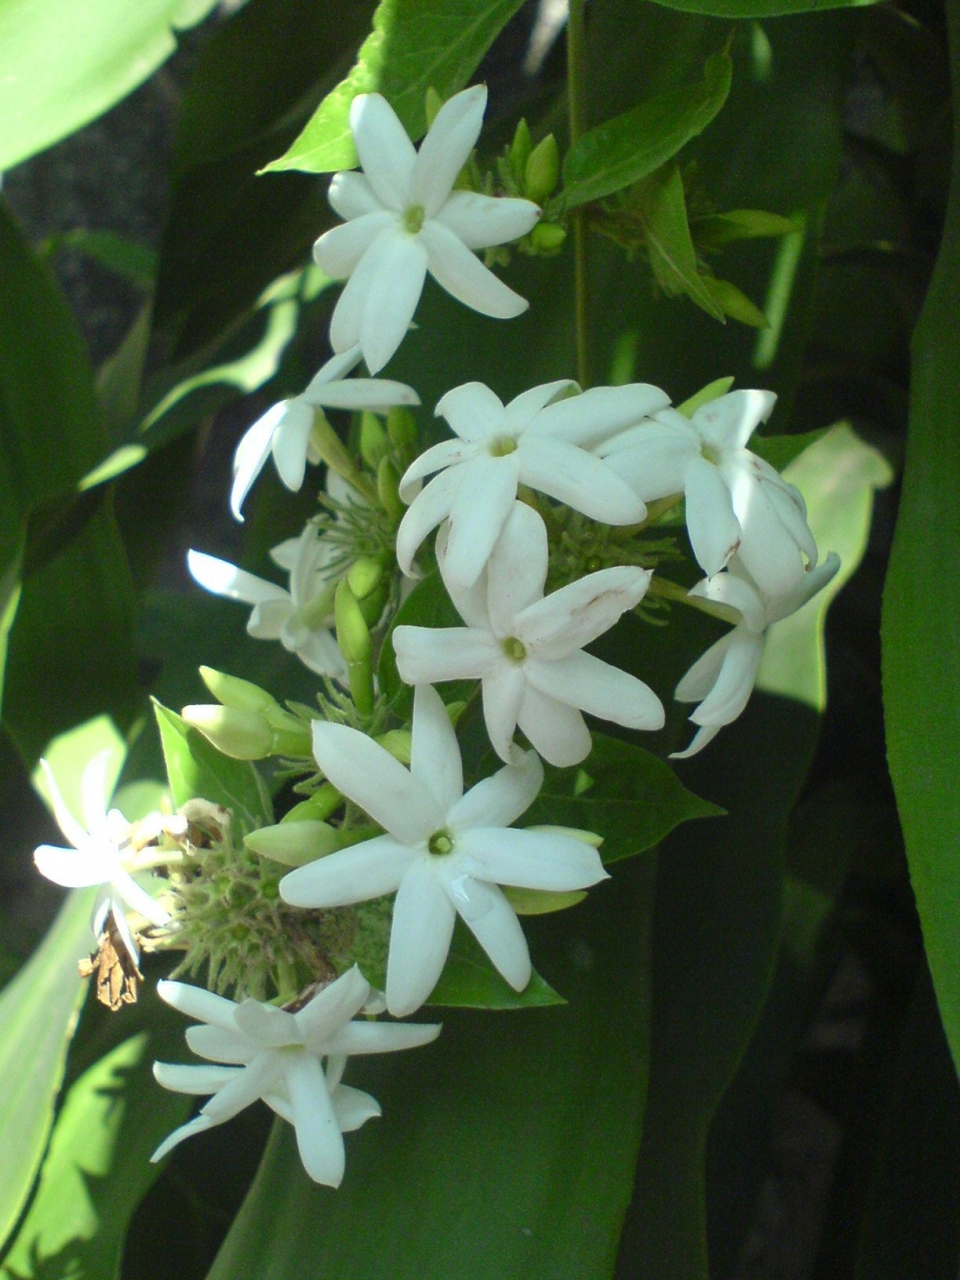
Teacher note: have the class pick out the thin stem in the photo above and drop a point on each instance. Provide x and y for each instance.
(576, 85)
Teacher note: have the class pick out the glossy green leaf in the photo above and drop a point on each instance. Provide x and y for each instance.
(62, 64)
(505, 1149)
(620, 792)
(68, 754)
(197, 770)
(469, 981)
(738, 9)
(921, 616)
(662, 209)
(623, 150)
(38, 1014)
(415, 45)
(97, 1168)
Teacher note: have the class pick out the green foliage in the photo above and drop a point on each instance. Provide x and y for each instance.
(469, 981)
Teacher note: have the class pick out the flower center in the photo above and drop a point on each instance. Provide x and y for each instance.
(440, 843)
(711, 453)
(502, 446)
(514, 649)
(413, 217)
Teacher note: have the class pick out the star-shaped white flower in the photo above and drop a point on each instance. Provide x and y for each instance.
(404, 219)
(278, 1056)
(540, 439)
(527, 649)
(722, 679)
(735, 502)
(101, 855)
(301, 618)
(284, 430)
(444, 853)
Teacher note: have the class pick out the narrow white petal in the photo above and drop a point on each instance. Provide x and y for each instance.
(579, 479)
(199, 1124)
(734, 684)
(517, 569)
(434, 752)
(386, 152)
(446, 148)
(195, 1079)
(703, 675)
(464, 276)
(423, 919)
(729, 421)
(523, 410)
(502, 694)
(290, 443)
(391, 295)
(321, 654)
(377, 394)
(498, 931)
(353, 1108)
(595, 415)
(500, 799)
(267, 1026)
(363, 871)
(380, 1037)
(479, 510)
(319, 1138)
(331, 1008)
(225, 579)
(473, 411)
(194, 1002)
(735, 592)
(94, 796)
(219, 1045)
(481, 221)
(374, 780)
(334, 370)
(556, 730)
(712, 527)
(346, 321)
(67, 823)
(531, 859)
(431, 505)
(429, 655)
(653, 459)
(137, 898)
(598, 688)
(767, 548)
(74, 869)
(339, 250)
(701, 738)
(351, 195)
(448, 453)
(269, 619)
(566, 620)
(244, 1088)
(251, 453)
(470, 602)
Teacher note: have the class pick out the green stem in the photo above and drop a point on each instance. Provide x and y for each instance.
(576, 85)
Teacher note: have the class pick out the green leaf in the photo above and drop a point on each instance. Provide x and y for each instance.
(505, 1149)
(427, 605)
(469, 981)
(38, 1015)
(124, 257)
(197, 770)
(415, 45)
(738, 9)
(733, 302)
(619, 153)
(662, 210)
(921, 617)
(711, 231)
(62, 64)
(620, 792)
(780, 451)
(97, 1168)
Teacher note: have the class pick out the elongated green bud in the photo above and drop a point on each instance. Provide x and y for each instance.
(373, 440)
(540, 902)
(237, 693)
(547, 238)
(364, 576)
(520, 150)
(353, 637)
(329, 448)
(542, 170)
(402, 430)
(318, 807)
(388, 489)
(243, 735)
(294, 843)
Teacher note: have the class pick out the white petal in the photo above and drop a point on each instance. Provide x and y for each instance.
(245, 1087)
(380, 1037)
(767, 549)
(481, 221)
(703, 675)
(290, 443)
(735, 592)
(319, 1139)
(653, 459)
(73, 869)
(377, 394)
(568, 619)
(339, 250)
(522, 411)
(67, 823)
(479, 510)
(470, 602)
(494, 924)
(137, 898)
(266, 1025)
(713, 529)
(502, 694)
(594, 415)
(219, 1045)
(517, 569)
(448, 453)
(363, 871)
(320, 653)
(701, 738)
(464, 276)
(94, 795)
(268, 621)
(499, 800)
(345, 323)
(473, 411)
(578, 479)
(446, 148)
(423, 919)
(428, 655)
(531, 859)
(198, 1124)
(353, 1108)
(351, 195)
(225, 579)
(194, 1002)
(391, 295)
(251, 453)
(434, 752)
(729, 421)
(331, 1008)
(195, 1079)
(431, 505)
(598, 688)
(374, 780)
(556, 730)
(734, 685)
(386, 153)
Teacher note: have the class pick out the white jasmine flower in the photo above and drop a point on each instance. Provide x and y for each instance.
(722, 679)
(101, 855)
(735, 502)
(404, 219)
(301, 618)
(284, 430)
(527, 649)
(444, 853)
(278, 1056)
(539, 439)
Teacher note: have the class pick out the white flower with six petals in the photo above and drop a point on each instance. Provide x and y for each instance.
(404, 219)
(443, 853)
(278, 1056)
(527, 648)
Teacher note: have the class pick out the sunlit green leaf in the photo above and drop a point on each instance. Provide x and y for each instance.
(415, 45)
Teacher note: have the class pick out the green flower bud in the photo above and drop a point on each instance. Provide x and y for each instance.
(373, 439)
(294, 843)
(402, 430)
(542, 170)
(318, 807)
(353, 637)
(372, 606)
(388, 489)
(237, 693)
(243, 735)
(547, 238)
(540, 902)
(520, 150)
(327, 446)
(573, 833)
(364, 576)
